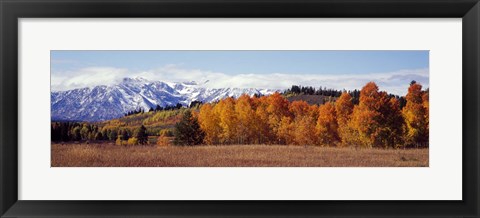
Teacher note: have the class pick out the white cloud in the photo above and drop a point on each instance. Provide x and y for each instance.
(394, 82)
(87, 77)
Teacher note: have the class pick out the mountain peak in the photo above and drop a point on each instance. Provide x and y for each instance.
(104, 103)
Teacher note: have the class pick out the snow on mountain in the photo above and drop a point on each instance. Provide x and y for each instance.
(113, 101)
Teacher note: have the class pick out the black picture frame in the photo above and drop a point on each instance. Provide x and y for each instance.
(12, 10)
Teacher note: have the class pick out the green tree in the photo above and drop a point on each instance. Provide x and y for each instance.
(84, 132)
(112, 135)
(187, 131)
(141, 135)
(98, 136)
(76, 136)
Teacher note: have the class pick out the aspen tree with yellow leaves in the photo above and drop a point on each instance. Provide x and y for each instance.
(245, 115)
(209, 121)
(227, 121)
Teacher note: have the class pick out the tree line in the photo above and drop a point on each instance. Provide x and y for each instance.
(328, 92)
(157, 108)
(376, 121)
(74, 131)
(310, 90)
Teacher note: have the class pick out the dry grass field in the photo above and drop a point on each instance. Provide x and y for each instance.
(109, 155)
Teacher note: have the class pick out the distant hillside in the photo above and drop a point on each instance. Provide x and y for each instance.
(312, 99)
(154, 121)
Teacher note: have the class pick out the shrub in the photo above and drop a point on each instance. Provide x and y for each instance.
(163, 140)
(132, 141)
(119, 141)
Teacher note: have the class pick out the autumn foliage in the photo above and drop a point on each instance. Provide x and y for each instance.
(376, 121)
(368, 118)
(416, 117)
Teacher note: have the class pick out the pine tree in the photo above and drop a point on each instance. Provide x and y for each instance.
(98, 136)
(84, 132)
(188, 131)
(141, 135)
(76, 135)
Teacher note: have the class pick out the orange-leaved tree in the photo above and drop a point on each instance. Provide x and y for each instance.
(303, 123)
(365, 117)
(264, 135)
(426, 106)
(286, 131)
(415, 114)
(344, 110)
(390, 130)
(277, 108)
(327, 127)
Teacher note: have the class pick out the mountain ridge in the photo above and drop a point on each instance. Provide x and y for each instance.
(105, 102)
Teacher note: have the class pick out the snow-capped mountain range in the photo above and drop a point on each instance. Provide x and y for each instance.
(112, 101)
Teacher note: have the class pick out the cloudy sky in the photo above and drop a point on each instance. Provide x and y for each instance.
(391, 70)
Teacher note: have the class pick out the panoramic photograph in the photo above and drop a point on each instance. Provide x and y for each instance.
(239, 108)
